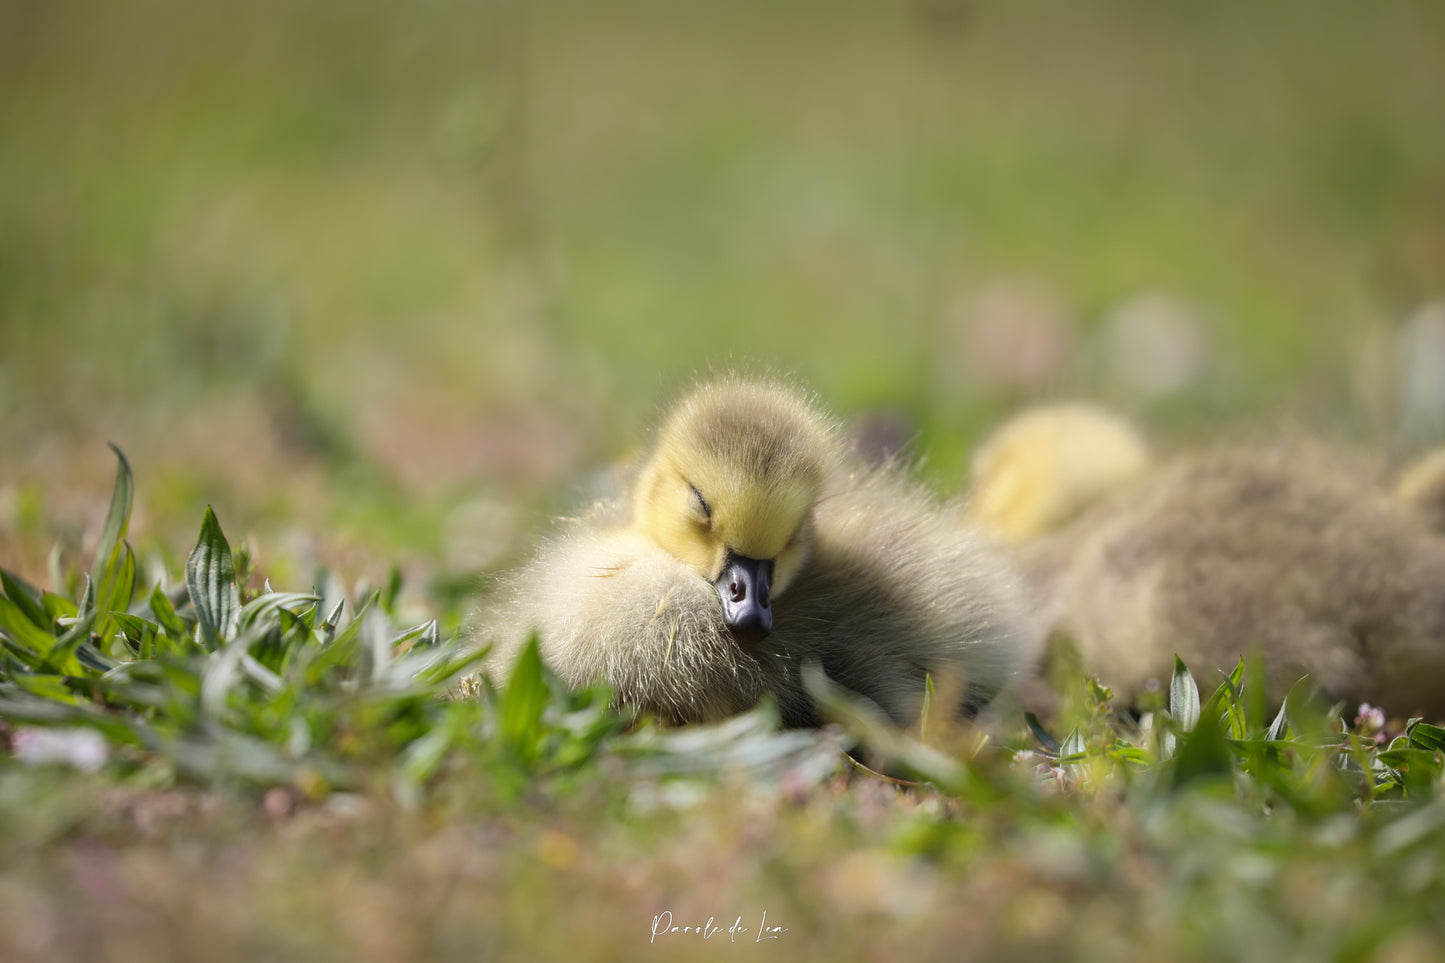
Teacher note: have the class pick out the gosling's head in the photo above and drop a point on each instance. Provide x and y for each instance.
(729, 490)
(1045, 466)
(1421, 487)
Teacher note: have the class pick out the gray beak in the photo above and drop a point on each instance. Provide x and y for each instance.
(744, 586)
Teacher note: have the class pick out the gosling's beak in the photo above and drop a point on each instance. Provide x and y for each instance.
(743, 585)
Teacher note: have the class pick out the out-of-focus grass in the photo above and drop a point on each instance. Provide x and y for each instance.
(380, 282)
(372, 260)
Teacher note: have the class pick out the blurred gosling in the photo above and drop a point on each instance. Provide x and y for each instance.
(1421, 486)
(1044, 467)
(750, 544)
(1296, 548)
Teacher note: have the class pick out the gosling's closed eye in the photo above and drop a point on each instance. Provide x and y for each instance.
(700, 506)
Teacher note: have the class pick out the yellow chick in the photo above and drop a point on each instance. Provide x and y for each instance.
(1044, 467)
(1296, 549)
(1421, 486)
(750, 545)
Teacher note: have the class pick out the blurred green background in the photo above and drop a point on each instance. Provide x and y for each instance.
(386, 281)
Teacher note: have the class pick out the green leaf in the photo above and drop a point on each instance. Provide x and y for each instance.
(343, 649)
(1183, 697)
(22, 630)
(1255, 688)
(522, 703)
(91, 658)
(1280, 725)
(61, 656)
(87, 597)
(47, 687)
(114, 595)
(165, 613)
(1073, 749)
(116, 728)
(1204, 752)
(108, 569)
(1235, 678)
(442, 672)
(26, 598)
(211, 581)
(1047, 741)
(1232, 696)
(392, 591)
(1426, 736)
(425, 755)
(134, 627)
(58, 606)
(421, 636)
(1410, 831)
(17, 653)
(930, 696)
(262, 676)
(223, 672)
(333, 619)
(375, 644)
(264, 606)
(864, 721)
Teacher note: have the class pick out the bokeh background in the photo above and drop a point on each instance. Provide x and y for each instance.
(390, 282)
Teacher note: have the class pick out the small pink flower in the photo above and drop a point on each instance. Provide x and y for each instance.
(1370, 719)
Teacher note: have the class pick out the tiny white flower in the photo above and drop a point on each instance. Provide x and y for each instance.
(83, 749)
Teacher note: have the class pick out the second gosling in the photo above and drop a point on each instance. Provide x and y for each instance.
(1296, 549)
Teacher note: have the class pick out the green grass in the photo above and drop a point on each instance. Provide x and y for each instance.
(295, 772)
(355, 221)
(373, 288)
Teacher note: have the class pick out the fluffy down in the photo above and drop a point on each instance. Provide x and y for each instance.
(871, 578)
(1296, 550)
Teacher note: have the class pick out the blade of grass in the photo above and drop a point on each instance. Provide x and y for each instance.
(211, 581)
(865, 723)
(1183, 696)
(107, 571)
(522, 703)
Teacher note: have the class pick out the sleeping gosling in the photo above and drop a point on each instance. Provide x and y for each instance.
(1296, 549)
(749, 545)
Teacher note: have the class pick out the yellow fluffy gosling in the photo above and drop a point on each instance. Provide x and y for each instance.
(1422, 487)
(749, 545)
(1044, 467)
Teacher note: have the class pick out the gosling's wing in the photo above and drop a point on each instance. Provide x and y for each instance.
(898, 590)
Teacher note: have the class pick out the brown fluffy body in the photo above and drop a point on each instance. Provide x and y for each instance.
(1297, 550)
(875, 581)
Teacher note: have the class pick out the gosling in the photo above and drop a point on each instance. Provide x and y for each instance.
(749, 545)
(1297, 549)
(1044, 467)
(1421, 486)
